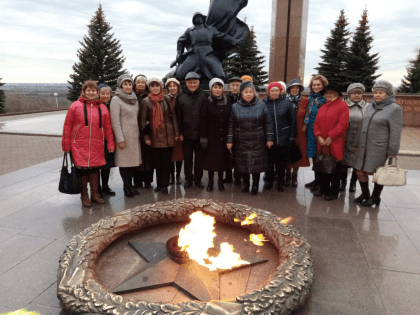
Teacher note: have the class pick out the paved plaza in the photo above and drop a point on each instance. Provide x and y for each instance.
(366, 260)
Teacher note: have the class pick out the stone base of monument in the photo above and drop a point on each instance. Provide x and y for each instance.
(106, 257)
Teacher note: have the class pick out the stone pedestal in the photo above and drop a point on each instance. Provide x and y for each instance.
(288, 40)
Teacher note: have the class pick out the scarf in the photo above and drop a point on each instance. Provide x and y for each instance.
(127, 98)
(157, 112)
(221, 100)
(295, 99)
(314, 99)
(386, 101)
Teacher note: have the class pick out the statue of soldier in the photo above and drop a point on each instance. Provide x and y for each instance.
(200, 56)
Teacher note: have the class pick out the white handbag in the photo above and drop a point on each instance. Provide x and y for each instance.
(390, 175)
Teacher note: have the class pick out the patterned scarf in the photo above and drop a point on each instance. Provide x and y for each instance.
(295, 99)
(157, 112)
(127, 98)
(315, 99)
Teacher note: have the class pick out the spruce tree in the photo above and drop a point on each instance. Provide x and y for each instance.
(335, 54)
(411, 81)
(361, 65)
(2, 99)
(247, 60)
(100, 57)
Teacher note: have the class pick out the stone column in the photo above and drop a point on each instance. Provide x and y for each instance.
(288, 40)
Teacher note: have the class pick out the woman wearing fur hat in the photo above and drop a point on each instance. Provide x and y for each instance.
(330, 130)
(163, 131)
(144, 173)
(281, 112)
(174, 88)
(105, 96)
(300, 104)
(357, 106)
(214, 123)
(86, 126)
(316, 100)
(251, 131)
(124, 112)
(380, 137)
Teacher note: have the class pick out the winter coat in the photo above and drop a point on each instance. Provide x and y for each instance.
(301, 137)
(311, 150)
(126, 129)
(281, 111)
(356, 112)
(234, 98)
(84, 132)
(380, 134)
(214, 124)
(165, 138)
(109, 157)
(332, 122)
(250, 127)
(188, 109)
(147, 157)
(178, 152)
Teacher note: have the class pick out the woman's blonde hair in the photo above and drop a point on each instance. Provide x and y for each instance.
(321, 78)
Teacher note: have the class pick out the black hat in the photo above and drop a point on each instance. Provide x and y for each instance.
(192, 75)
(235, 79)
(333, 87)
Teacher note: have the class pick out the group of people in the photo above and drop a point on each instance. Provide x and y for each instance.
(236, 135)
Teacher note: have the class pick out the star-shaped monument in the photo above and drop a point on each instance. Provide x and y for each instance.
(188, 276)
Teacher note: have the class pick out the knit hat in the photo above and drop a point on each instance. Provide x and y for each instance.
(383, 85)
(274, 85)
(172, 80)
(139, 77)
(247, 78)
(156, 80)
(214, 81)
(356, 87)
(283, 85)
(247, 84)
(192, 75)
(104, 86)
(294, 82)
(122, 78)
(235, 79)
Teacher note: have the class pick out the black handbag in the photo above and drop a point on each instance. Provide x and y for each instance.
(70, 183)
(325, 163)
(294, 154)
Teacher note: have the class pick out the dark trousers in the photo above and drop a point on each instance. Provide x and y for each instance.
(142, 176)
(330, 183)
(192, 151)
(105, 176)
(176, 166)
(278, 159)
(163, 162)
(127, 175)
(255, 178)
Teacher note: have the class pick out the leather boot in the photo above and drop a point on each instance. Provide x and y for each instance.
(353, 182)
(309, 185)
(288, 179)
(94, 188)
(294, 179)
(210, 185)
(375, 199)
(84, 194)
(254, 189)
(220, 184)
(365, 193)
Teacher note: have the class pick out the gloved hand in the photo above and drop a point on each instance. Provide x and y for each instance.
(204, 143)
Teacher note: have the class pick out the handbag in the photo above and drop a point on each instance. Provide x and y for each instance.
(294, 154)
(70, 183)
(324, 163)
(390, 174)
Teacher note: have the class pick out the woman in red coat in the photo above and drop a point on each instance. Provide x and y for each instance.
(300, 104)
(86, 127)
(330, 129)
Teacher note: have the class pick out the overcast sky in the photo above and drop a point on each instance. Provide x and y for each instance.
(39, 39)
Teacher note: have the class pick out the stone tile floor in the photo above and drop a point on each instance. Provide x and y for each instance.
(367, 261)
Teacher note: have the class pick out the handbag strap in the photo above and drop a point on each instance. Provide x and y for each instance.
(329, 153)
(387, 165)
(65, 161)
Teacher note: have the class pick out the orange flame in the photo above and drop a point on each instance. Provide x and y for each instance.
(287, 220)
(248, 220)
(197, 237)
(257, 239)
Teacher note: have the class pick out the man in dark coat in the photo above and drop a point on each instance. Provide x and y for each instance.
(188, 109)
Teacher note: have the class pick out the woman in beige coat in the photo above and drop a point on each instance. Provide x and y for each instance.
(124, 112)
